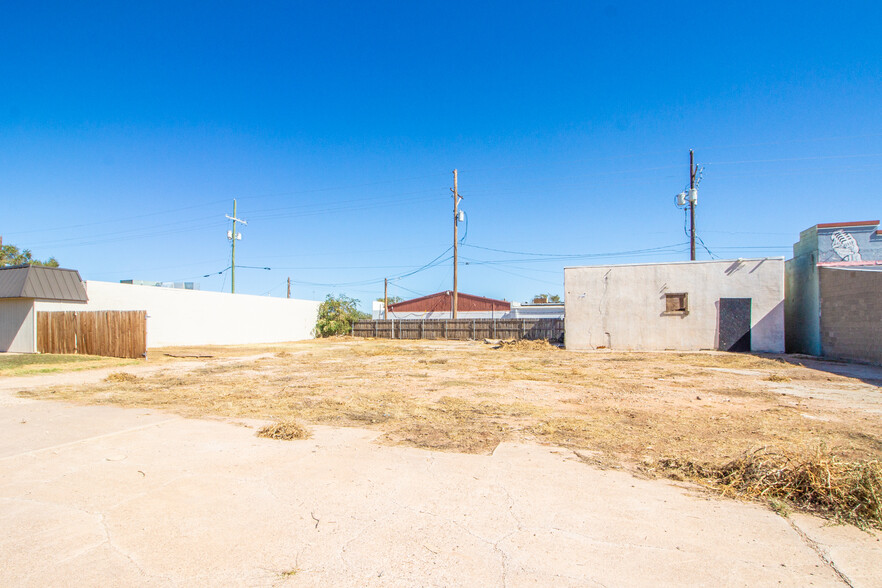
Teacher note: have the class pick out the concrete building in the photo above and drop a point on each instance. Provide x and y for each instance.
(733, 305)
(844, 245)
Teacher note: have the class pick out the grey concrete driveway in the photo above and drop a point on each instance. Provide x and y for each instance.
(101, 496)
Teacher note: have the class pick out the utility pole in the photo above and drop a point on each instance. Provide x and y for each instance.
(289, 287)
(385, 297)
(455, 241)
(691, 205)
(233, 236)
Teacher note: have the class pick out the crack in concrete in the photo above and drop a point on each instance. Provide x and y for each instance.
(102, 521)
(494, 544)
(816, 547)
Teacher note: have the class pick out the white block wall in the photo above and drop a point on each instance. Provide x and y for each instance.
(194, 317)
(18, 327)
(622, 306)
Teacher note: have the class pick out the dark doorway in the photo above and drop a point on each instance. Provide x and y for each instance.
(734, 324)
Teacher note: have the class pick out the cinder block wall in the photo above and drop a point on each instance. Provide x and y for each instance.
(851, 314)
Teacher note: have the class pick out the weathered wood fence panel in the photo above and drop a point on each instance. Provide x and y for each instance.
(108, 332)
(461, 329)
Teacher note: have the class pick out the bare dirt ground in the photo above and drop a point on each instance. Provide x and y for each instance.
(468, 396)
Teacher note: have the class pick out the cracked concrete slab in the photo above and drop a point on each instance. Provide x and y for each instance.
(97, 495)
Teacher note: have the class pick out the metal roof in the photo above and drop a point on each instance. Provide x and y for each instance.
(42, 283)
(442, 302)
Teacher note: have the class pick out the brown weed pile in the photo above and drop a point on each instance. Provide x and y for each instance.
(119, 377)
(284, 430)
(850, 491)
(525, 345)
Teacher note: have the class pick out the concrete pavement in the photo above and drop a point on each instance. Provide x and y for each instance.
(98, 496)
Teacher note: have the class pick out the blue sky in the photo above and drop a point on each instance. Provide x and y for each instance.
(126, 130)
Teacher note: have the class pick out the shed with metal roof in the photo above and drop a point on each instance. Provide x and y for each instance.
(42, 283)
(20, 287)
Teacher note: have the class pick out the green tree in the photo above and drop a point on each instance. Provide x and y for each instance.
(336, 315)
(540, 298)
(11, 255)
(392, 299)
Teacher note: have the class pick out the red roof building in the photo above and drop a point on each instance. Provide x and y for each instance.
(442, 302)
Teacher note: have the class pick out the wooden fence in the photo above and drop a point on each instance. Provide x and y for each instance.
(550, 329)
(107, 332)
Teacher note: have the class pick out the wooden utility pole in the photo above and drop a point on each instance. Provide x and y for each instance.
(691, 205)
(289, 287)
(233, 256)
(233, 236)
(385, 297)
(455, 241)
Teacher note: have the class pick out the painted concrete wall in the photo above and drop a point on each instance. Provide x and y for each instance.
(623, 306)
(802, 310)
(851, 313)
(18, 327)
(194, 317)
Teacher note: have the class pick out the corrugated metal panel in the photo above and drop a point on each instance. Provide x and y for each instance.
(42, 283)
(12, 281)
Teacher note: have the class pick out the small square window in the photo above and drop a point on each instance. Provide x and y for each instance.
(676, 303)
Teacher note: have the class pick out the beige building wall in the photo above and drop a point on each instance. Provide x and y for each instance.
(193, 317)
(623, 306)
(18, 326)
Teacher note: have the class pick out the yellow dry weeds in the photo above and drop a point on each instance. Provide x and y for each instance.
(706, 408)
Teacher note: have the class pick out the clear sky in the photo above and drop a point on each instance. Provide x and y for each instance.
(128, 128)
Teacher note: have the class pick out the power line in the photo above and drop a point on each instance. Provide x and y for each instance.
(567, 256)
(813, 158)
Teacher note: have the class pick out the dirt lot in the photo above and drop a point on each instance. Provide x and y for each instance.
(116, 493)
(468, 396)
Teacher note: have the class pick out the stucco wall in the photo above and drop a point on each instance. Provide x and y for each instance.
(17, 325)
(623, 306)
(851, 314)
(194, 317)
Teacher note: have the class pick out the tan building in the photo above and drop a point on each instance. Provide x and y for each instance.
(733, 305)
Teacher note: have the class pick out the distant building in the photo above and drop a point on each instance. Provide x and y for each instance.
(440, 306)
(536, 310)
(178, 285)
(850, 245)
(731, 305)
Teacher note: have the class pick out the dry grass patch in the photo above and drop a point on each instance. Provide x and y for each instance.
(285, 430)
(467, 397)
(778, 378)
(526, 345)
(121, 377)
(849, 491)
